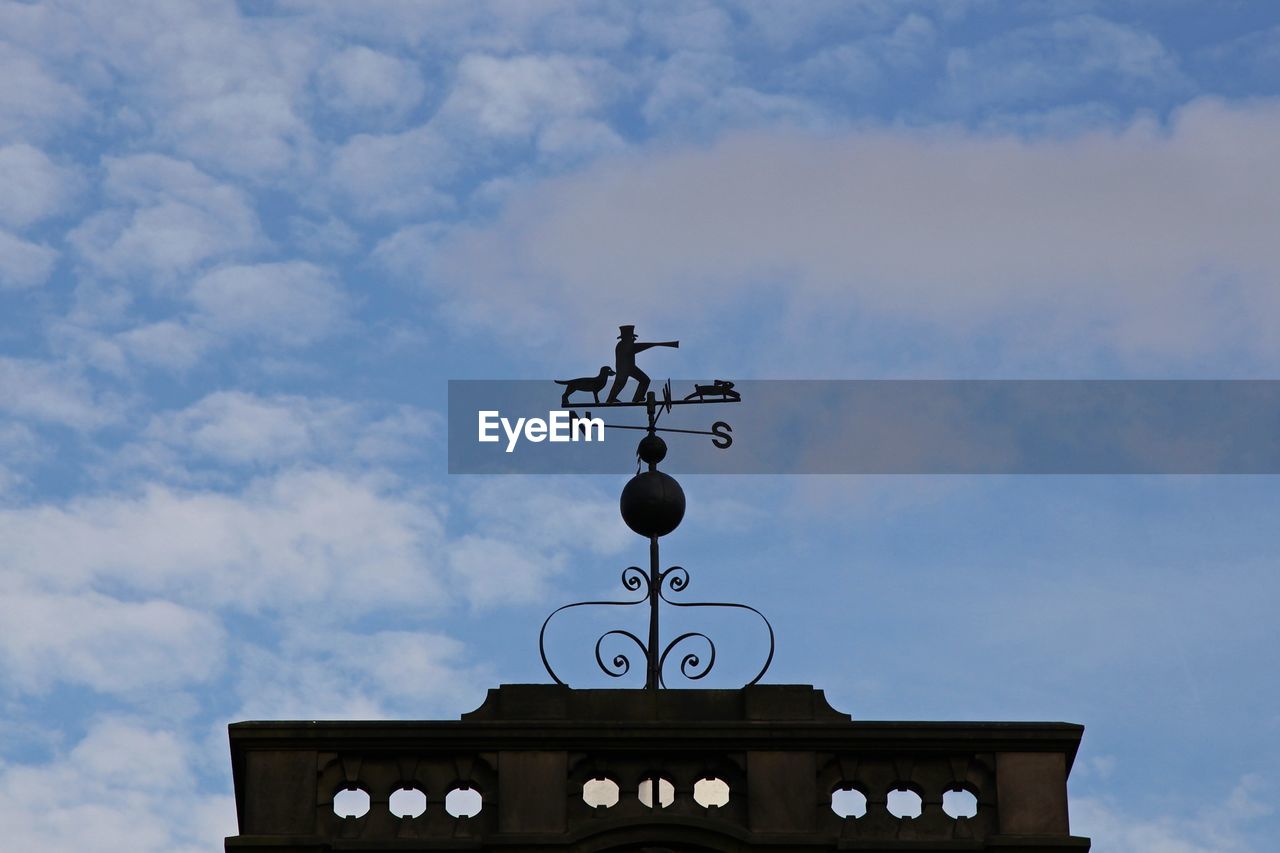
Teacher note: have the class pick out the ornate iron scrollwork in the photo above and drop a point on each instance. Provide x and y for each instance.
(693, 665)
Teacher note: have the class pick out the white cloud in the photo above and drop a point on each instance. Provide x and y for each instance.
(35, 187)
(19, 443)
(514, 96)
(359, 80)
(232, 427)
(238, 428)
(1150, 240)
(218, 88)
(171, 218)
(87, 347)
(303, 539)
(111, 646)
(910, 42)
(548, 515)
(21, 448)
(693, 26)
(493, 572)
(791, 26)
(330, 236)
(346, 675)
(52, 393)
(850, 68)
(403, 432)
(703, 93)
(400, 22)
(1253, 53)
(524, 533)
(279, 304)
(292, 303)
(308, 548)
(33, 102)
(244, 132)
(151, 179)
(117, 789)
(408, 252)
(1053, 59)
(452, 26)
(395, 174)
(24, 264)
(578, 140)
(1222, 827)
(857, 67)
(167, 344)
(456, 27)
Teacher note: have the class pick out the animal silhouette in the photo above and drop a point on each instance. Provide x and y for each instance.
(591, 384)
(720, 388)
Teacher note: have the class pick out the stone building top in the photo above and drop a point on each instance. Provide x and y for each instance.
(548, 768)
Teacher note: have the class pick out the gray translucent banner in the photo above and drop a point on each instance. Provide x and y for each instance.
(893, 427)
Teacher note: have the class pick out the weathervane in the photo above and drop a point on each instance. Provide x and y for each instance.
(653, 505)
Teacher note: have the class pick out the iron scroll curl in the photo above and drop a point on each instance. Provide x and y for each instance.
(690, 665)
(679, 581)
(633, 579)
(620, 661)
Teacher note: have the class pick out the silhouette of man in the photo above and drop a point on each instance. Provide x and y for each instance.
(625, 363)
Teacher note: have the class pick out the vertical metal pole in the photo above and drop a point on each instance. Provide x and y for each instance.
(654, 678)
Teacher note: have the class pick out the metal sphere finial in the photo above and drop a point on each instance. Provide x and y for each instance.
(651, 450)
(652, 503)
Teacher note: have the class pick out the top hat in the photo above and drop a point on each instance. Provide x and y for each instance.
(626, 332)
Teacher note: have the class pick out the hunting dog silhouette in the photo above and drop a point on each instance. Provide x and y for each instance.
(591, 384)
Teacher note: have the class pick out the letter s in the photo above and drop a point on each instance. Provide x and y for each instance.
(720, 430)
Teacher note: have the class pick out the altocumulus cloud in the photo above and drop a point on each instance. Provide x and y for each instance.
(292, 303)
(164, 218)
(237, 428)
(115, 790)
(314, 542)
(111, 646)
(300, 537)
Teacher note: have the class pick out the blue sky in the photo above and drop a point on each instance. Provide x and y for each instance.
(243, 247)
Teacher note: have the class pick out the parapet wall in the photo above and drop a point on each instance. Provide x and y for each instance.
(550, 768)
